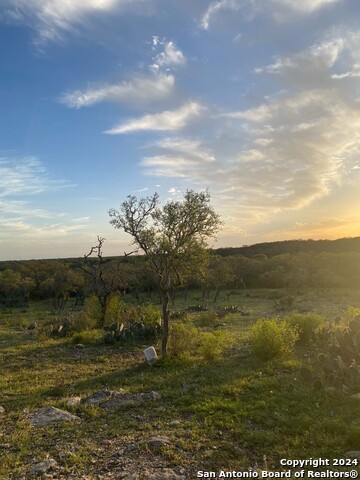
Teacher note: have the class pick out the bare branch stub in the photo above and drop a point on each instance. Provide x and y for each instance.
(97, 248)
(130, 253)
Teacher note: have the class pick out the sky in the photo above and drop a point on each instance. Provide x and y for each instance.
(257, 101)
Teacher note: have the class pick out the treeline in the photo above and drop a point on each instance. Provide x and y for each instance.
(58, 280)
(341, 245)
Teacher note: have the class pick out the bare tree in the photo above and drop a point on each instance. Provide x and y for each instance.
(107, 277)
(173, 238)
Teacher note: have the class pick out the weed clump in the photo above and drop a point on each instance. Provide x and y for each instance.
(186, 340)
(183, 339)
(213, 344)
(87, 337)
(272, 338)
(305, 324)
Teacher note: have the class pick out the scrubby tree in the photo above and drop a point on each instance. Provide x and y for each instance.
(106, 277)
(14, 289)
(172, 237)
(61, 281)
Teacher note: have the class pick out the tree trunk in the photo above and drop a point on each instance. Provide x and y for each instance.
(103, 299)
(217, 294)
(165, 318)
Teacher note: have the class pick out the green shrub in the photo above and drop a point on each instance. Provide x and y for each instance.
(284, 303)
(187, 340)
(149, 314)
(272, 338)
(351, 313)
(92, 310)
(79, 322)
(183, 339)
(306, 324)
(207, 319)
(213, 344)
(114, 309)
(87, 337)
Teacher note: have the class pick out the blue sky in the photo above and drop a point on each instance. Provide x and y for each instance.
(256, 100)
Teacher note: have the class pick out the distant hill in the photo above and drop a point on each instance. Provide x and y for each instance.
(294, 246)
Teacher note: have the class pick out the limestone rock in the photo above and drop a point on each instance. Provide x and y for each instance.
(120, 399)
(2, 410)
(165, 474)
(159, 441)
(73, 401)
(50, 416)
(43, 467)
(356, 396)
(98, 397)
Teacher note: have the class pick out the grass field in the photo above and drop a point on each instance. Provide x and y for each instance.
(232, 413)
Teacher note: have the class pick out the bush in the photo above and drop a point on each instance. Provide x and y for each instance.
(305, 324)
(187, 340)
(114, 309)
(79, 322)
(92, 310)
(207, 319)
(351, 313)
(285, 303)
(271, 338)
(88, 337)
(149, 315)
(183, 339)
(213, 344)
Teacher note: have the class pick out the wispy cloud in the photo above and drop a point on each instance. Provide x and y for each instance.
(304, 6)
(22, 180)
(25, 176)
(311, 64)
(169, 120)
(51, 18)
(182, 155)
(137, 90)
(278, 9)
(170, 55)
(217, 7)
(298, 152)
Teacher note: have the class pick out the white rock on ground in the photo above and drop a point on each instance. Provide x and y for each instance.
(50, 416)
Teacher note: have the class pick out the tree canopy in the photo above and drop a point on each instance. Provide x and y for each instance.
(172, 237)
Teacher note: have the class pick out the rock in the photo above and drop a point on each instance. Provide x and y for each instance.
(151, 395)
(119, 399)
(2, 409)
(150, 355)
(50, 416)
(356, 396)
(165, 474)
(32, 326)
(43, 467)
(73, 401)
(131, 447)
(98, 397)
(353, 454)
(80, 346)
(159, 441)
(115, 399)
